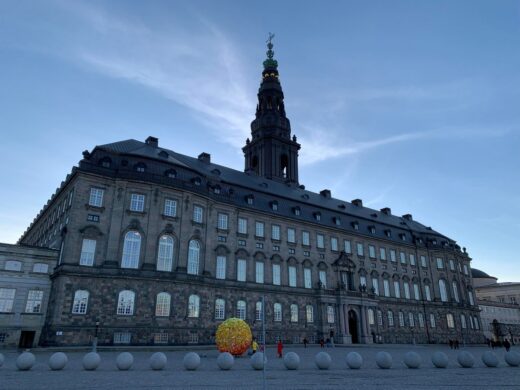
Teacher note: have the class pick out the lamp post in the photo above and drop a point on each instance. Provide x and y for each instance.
(95, 341)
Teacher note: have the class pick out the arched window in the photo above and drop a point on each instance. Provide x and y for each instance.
(241, 310)
(463, 323)
(162, 305)
(443, 291)
(193, 257)
(294, 313)
(401, 319)
(397, 289)
(13, 265)
(220, 309)
(390, 316)
(80, 302)
(258, 311)
(278, 312)
(427, 292)
(386, 287)
(411, 319)
(131, 250)
(406, 286)
(309, 313)
(193, 306)
(125, 303)
(165, 253)
(455, 291)
(371, 320)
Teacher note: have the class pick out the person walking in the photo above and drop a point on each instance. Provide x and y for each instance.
(254, 346)
(507, 345)
(305, 341)
(280, 348)
(322, 343)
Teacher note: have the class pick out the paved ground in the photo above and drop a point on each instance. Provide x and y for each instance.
(242, 376)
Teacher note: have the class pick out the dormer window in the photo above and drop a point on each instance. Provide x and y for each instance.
(196, 181)
(274, 205)
(337, 221)
(434, 242)
(105, 162)
(216, 190)
(388, 233)
(296, 211)
(163, 154)
(402, 236)
(372, 229)
(216, 172)
(140, 167)
(317, 216)
(355, 225)
(250, 199)
(171, 173)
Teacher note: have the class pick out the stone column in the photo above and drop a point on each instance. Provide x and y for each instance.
(347, 338)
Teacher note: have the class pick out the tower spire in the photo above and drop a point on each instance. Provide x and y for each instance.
(271, 152)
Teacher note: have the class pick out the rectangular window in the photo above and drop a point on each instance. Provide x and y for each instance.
(466, 271)
(320, 241)
(360, 249)
(423, 261)
(372, 251)
(292, 276)
(198, 213)
(402, 257)
(291, 235)
(222, 221)
(401, 319)
(379, 318)
(41, 268)
(275, 232)
(390, 315)
(375, 286)
(382, 253)
(386, 287)
(6, 299)
(221, 267)
(276, 274)
(323, 278)
(363, 280)
(259, 229)
(440, 263)
(371, 320)
(450, 321)
(334, 244)
(160, 338)
(137, 202)
(411, 320)
(307, 278)
(309, 313)
(392, 255)
(96, 197)
(241, 270)
(330, 314)
(259, 272)
(412, 259)
(12, 265)
(277, 312)
(34, 301)
(170, 209)
(420, 316)
(306, 238)
(242, 225)
(452, 265)
(348, 246)
(122, 337)
(427, 292)
(88, 250)
(416, 293)
(432, 320)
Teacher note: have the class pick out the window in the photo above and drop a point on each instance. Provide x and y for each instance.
(259, 229)
(241, 270)
(12, 265)
(362, 280)
(307, 278)
(320, 241)
(471, 299)
(323, 278)
(165, 253)
(291, 235)
(466, 271)
(96, 197)
(292, 276)
(443, 291)
(297, 211)
(122, 337)
(406, 287)
(131, 250)
(475, 321)
(423, 261)
(330, 314)
(450, 321)
(309, 313)
(294, 313)
(390, 316)
(275, 232)
(317, 216)
(242, 225)
(360, 251)
(379, 318)
(416, 294)
(337, 221)
(258, 311)
(412, 259)
(137, 202)
(274, 205)
(221, 267)
(250, 199)
(371, 319)
(386, 287)
(397, 289)
(241, 310)
(6, 299)
(277, 312)
(393, 256)
(452, 265)
(125, 303)
(193, 306)
(334, 244)
(402, 257)
(259, 274)
(432, 320)
(306, 238)
(427, 292)
(220, 309)
(375, 286)
(222, 221)
(463, 323)
(170, 207)
(88, 250)
(276, 274)
(401, 319)
(162, 305)
(80, 303)
(198, 213)
(411, 319)
(455, 291)
(420, 316)
(382, 253)
(348, 246)
(372, 251)
(193, 257)
(41, 268)
(160, 338)
(440, 263)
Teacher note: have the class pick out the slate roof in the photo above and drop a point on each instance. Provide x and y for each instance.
(476, 273)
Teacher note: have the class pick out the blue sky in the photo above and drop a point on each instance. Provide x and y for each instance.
(412, 105)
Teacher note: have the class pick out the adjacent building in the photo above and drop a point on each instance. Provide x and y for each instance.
(157, 247)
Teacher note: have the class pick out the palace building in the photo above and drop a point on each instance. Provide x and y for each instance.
(157, 247)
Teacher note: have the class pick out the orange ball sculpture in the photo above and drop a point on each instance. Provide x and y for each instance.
(233, 336)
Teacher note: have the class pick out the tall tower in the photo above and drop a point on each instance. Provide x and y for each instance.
(271, 152)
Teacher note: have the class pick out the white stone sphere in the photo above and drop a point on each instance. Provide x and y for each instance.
(58, 361)
(124, 361)
(384, 360)
(354, 360)
(465, 359)
(225, 361)
(25, 361)
(1, 360)
(191, 361)
(512, 358)
(440, 359)
(412, 359)
(91, 361)
(291, 361)
(490, 359)
(258, 360)
(158, 361)
(322, 360)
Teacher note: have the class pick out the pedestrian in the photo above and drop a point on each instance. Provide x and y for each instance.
(305, 341)
(456, 344)
(450, 341)
(280, 348)
(322, 343)
(254, 346)
(507, 345)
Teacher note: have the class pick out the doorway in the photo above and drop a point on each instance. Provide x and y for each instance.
(353, 326)
(26, 339)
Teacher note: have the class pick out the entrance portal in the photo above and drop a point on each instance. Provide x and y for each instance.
(26, 339)
(353, 326)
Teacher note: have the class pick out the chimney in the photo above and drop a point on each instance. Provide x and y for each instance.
(357, 202)
(386, 210)
(325, 193)
(408, 217)
(205, 157)
(152, 141)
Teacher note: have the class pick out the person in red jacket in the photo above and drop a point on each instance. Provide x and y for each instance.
(280, 348)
